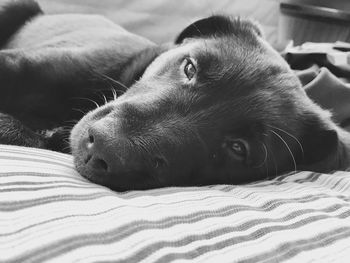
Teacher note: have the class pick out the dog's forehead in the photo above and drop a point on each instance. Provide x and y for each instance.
(221, 51)
(250, 75)
(233, 63)
(166, 59)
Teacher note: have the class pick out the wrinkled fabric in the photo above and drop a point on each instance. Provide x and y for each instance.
(323, 71)
(331, 93)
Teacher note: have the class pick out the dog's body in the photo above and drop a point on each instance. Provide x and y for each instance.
(219, 106)
(55, 66)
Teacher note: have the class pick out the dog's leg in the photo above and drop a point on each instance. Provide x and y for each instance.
(30, 85)
(48, 83)
(14, 132)
(20, 77)
(48, 79)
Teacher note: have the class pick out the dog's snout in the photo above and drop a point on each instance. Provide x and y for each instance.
(96, 155)
(108, 153)
(99, 164)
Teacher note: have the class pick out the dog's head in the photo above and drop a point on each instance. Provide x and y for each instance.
(220, 107)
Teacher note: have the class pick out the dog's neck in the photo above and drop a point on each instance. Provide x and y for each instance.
(337, 155)
(339, 158)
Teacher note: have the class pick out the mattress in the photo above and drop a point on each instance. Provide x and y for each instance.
(49, 213)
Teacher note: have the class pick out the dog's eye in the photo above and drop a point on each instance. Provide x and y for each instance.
(189, 69)
(238, 148)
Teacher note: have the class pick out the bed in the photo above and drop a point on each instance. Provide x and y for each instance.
(49, 213)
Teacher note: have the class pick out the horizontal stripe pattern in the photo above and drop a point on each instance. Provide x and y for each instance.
(49, 213)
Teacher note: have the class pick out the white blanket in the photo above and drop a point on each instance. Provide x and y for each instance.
(49, 213)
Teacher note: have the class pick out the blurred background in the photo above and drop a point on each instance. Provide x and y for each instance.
(162, 20)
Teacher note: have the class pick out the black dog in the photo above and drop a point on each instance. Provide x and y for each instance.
(218, 106)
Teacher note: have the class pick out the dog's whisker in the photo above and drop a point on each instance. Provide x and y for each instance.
(66, 130)
(73, 122)
(264, 166)
(290, 135)
(112, 86)
(265, 157)
(113, 80)
(274, 162)
(87, 99)
(94, 90)
(266, 162)
(66, 127)
(104, 98)
(288, 148)
(111, 83)
(114, 94)
(66, 148)
(79, 110)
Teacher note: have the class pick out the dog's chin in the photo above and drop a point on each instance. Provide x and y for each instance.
(103, 180)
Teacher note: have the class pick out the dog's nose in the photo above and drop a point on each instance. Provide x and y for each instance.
(97, 150)
(94, 157)
(107, 152)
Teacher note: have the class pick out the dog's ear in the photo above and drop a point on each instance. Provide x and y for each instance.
(320, 144)
(218, 25)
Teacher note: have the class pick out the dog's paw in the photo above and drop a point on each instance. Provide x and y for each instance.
(57, 139)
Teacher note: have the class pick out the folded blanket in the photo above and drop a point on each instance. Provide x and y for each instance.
(48, 213)
(324, 71)
(333, 56)
(331, 93)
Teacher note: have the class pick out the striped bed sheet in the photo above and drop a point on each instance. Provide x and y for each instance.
(49, 213)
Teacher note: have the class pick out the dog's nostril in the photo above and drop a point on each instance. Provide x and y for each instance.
(91, 139)
(100, 164)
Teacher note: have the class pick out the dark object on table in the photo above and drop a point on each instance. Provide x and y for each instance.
(314, 20)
